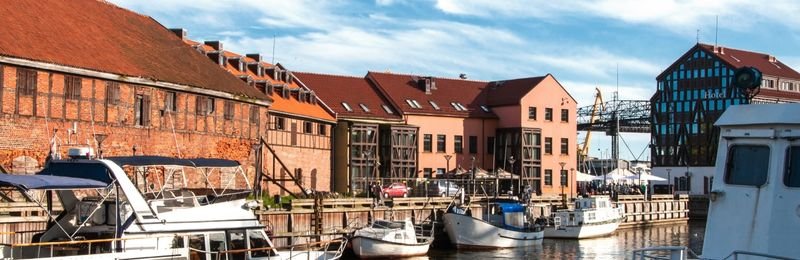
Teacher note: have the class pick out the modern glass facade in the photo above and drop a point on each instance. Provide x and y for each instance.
(691, 95)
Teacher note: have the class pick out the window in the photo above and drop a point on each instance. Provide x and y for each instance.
(413, 103)
(426, 172)
(229, 110)
(254, 115)
(323, 130)
(416, 104)
(441, 143)
(548, 114)
(112, 93)
(364, 107)
(564, 115)
(216, 242)
(440, 171)
(237, 241)
(72, 87)
(347, 107)
(564, 146)
(26, 82)
(197, 242)
(548, 145)
(792, 175)
(532, 113)
(170, 101)
(308, 127)
(426, 143)
(473, 144)
(548, 177)
(564, 178)
(490, 145)
(458, 144)
(204, 105)
(434, 105)
(257, 240)
(485, 108)
(141, 110)
(747, 165)
(388, 109)
(280, 123)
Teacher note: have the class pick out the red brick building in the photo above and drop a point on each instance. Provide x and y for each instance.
(84, 68)
(299, 126)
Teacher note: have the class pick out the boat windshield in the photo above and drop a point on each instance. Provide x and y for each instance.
(387, 224)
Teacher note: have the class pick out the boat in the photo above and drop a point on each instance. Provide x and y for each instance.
(504, 223)
(592, 217)
(753, 206)
(105, 216)
(384, 239)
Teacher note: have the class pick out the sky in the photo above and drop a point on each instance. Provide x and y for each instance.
(614, 45)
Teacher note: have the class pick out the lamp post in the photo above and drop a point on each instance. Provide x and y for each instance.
(473, 175)
(561, 173)
(669, 180)
(571, 172)
(447, 158)
(511, 161)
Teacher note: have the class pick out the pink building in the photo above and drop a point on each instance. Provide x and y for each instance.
(523, 126)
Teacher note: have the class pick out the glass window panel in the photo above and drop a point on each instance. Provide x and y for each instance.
(747, 165)
(237, 241)
(216, 242)
(257, 240)
(792, 175)
(197, 242)
(702, 73)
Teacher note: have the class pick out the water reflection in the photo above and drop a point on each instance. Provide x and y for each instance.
(617, 246)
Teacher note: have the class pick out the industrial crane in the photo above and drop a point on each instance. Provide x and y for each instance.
(583, 149)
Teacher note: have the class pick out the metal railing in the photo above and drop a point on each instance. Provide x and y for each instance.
(76, 247)
(325, 247)
(682, 253)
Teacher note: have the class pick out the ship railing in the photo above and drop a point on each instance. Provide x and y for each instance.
(325, 246)
(76, 247)
(735, 255)
(682, 253)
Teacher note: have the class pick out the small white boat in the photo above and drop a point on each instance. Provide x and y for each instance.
(390, 239)
(506, 223)
(592, 217)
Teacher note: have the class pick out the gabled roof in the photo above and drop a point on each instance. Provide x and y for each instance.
(741, 58)
(509, 92)
(335, 90)
(291, 105)
(102, 37)
(402, 87)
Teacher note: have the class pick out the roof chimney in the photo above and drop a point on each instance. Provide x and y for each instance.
(427, 84)
(180, 32)
(214, 44)
(771, 58)
(255, 56)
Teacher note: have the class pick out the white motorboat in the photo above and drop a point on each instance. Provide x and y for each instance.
(505, 223)
(385, 239)
(754, 209)
(592, 217)
(120, 223)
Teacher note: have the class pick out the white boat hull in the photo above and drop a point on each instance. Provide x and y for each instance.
(469, 232)
(582, 231)
(365, 247)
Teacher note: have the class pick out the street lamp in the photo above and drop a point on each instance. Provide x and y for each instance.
(511, 161)
(447, 158)
(669, 180)
(473, 175)
(571, 172)
(563, 196)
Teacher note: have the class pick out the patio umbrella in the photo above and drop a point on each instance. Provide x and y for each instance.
(579, 176)
(503, 174)
(645, 177)
(618, 174)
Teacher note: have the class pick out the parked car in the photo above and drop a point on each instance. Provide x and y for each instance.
(397, 189)
(442, 188)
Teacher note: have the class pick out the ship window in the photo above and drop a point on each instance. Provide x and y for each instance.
(216, 242)
(792, 175)
(258, 241)
(237, 241)
(747, 165)
(197, 242)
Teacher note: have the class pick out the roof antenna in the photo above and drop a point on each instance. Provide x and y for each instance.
(698, 35)
(716, 31)
(273, 49)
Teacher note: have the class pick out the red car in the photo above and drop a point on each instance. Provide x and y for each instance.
(396, 189)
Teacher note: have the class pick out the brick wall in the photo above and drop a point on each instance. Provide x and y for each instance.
(28, 121)
(304, 152)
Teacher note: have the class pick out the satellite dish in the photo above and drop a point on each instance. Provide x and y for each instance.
(747, 78)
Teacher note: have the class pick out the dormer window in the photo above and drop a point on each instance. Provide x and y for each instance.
(485, 108)
(364, 107)
(434, 105)
(463, 108)
(416, 104)
(388, 109)
(455, 106)
(347, 107)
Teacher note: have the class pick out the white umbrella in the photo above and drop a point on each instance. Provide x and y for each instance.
(645, 177)
(579, 176)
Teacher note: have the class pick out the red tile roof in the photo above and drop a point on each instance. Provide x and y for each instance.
(761, 61)
(290, 105)
(102, 37)
(509, 92)
(336, 89)
(401, 87)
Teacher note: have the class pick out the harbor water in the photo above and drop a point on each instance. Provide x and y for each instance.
(617, 246)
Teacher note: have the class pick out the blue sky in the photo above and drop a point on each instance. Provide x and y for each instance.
(581, 43)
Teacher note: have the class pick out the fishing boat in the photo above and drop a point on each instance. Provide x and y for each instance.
(504, 223)
(105, 216)
(592, 217)
(753, 211)
(384, 239)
